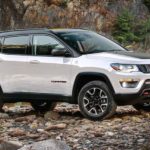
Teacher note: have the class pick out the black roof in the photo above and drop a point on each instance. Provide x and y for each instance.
(36, 30)
(24, 31)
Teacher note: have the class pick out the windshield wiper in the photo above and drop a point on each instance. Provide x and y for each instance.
(100, 51)
(115, 50)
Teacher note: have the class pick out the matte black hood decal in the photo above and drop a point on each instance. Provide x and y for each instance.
(133, 54)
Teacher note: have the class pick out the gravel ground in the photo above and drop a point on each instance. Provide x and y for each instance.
(128, 129)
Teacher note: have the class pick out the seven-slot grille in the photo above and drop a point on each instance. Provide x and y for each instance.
(144, 68)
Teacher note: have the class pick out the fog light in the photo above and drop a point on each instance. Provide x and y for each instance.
(129, 83)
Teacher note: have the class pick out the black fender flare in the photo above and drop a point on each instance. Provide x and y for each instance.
(101, 76)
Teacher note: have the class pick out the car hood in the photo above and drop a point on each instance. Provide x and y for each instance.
(122, 56)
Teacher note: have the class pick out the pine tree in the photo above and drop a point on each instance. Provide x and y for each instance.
(123, 29)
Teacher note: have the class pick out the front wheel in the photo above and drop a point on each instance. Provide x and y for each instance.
(43, 106)
(142, 106)
(96, 101)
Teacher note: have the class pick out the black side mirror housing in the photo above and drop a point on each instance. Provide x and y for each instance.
(60, 52)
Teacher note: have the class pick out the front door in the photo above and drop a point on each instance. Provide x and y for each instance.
(48, 74)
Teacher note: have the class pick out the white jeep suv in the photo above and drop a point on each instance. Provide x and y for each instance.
(45, 66)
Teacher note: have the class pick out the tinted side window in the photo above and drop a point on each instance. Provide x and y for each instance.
(15, 45)
(43, 45)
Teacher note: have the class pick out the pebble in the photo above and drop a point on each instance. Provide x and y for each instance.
(109, 133)
(141, 140)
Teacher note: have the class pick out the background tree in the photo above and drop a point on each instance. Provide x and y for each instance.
(15, 11)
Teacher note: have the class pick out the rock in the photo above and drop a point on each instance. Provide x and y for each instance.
(54, 2)
(34, 125)
(141, 140)
(126, 129)
(97, 134)
(126, 118)
(42, 131)
(60, 136)
(136, 119)
(57, 126)
(4, 116)
(47, 145)
(10, 145)
(109, 133)
(117, 120)
(145, 114)
(26, 118)
(17, 132)
(51, 115)
(32, 136)
(28, 2)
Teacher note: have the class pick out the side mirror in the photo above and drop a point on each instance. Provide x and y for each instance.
(60, 52)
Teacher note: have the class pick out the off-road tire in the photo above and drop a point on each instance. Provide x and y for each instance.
(111, 107)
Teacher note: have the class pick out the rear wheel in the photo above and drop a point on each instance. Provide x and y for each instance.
(96, 101)
(142, 106)
(43, 106)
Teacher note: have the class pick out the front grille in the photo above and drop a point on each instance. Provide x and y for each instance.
(144, 68)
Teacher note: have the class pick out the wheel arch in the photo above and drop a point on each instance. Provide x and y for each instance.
(85, 77)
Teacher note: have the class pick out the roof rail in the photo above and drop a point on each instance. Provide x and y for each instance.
(25, 29)
(30, 29)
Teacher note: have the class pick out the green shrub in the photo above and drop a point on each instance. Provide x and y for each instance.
(128, 30)
(124, 28)
(142, 29)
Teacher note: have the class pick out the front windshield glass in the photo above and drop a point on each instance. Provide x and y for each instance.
(87, 42)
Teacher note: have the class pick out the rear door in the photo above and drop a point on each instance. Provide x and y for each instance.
(13, 64)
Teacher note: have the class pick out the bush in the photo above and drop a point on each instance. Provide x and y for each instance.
(142, 29)
(124, 28)
(127, 30)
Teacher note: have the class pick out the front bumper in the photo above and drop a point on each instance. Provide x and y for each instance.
(142, 96)
(115, 78)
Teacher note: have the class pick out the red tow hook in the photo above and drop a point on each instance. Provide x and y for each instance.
(146, 93)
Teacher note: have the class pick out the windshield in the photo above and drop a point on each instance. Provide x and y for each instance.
(86, 42)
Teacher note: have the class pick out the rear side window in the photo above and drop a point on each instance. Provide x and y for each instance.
(15, 45)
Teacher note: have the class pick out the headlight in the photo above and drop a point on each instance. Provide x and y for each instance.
(127, 68)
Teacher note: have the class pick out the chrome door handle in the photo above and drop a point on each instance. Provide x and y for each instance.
(34, 62)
